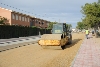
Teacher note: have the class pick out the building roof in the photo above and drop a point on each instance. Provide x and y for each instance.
(22, 14)
(6, 9)
(17, 12)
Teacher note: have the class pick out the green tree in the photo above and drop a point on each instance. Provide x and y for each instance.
(51, 24)
(2, 20)
(91, 12)
(69, 25)
(80, 25)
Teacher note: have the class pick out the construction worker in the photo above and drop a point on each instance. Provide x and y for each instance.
(92, 32)
(86, 33)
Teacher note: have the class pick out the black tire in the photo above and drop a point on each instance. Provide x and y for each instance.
(70, 40)
(63, 47)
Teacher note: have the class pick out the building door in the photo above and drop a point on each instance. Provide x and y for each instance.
(31, 23)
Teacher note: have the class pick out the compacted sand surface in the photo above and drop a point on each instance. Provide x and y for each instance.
(35, 56)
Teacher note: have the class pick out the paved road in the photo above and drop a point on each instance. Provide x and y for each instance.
(6, 44)
(11, 39)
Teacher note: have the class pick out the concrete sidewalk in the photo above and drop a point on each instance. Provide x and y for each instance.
(88, 54)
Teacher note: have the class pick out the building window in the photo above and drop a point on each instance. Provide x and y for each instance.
(39, 22)
(36, 21)
(16, 17)
(13, 16)
(25, 18)
(42, 23)
(28, 19)
(20, 18)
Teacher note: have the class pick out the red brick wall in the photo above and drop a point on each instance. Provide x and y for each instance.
(38, 23)
(18, 21)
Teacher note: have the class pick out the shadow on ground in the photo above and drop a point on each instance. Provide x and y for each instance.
(75, 41)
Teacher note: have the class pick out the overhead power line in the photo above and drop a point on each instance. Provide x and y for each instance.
(22, 10)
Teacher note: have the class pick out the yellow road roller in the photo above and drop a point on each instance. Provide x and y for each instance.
(61, 35)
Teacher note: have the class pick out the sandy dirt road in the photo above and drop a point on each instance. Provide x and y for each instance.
(35, 56)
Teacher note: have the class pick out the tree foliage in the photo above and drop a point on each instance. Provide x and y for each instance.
(2, 20)
(92, 14)
(80, 25)
(91, 19)
(51, 24)
(69, 25)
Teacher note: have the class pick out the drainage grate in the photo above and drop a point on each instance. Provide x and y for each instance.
(19, 46)
(4, 50)
(11, 48)
(7, 42)
(7, 49)
(27, 39)
(24, 45)
(20, 40)
(32, 43)
(16, 47)
(1, 43)
(28, 44)
(13, 41)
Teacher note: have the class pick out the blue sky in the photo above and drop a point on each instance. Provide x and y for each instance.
(52, 10)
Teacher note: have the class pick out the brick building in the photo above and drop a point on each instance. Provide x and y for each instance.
(16, 18)
(39, 23)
